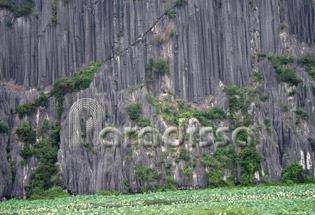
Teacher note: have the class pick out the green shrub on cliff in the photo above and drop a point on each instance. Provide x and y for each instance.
(3, 128)
(26, 134)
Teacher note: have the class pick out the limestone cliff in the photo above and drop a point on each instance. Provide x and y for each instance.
(208, 44)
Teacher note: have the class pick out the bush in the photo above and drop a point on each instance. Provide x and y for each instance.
(301, 114)
(9, 23)
(52, 193)
(161, 66)
(307, 59)
(287, 75)
(180, 3)
(26, 134)
(257, 76)
(312, 143)
(42, 100)
(293, 174)
(235, 98)
(26, 152)
(79, 81)
(143, 122)
(171, 13)
(3, 128)
(293, 92)
(7, 5)
(283, 26)
(54, 8)
(183, 155)
(29, 108)
(284, 72)
(264, 98)
(284, 107)
(214, 172)
(134, 111)
(249, 160)
(24, 11)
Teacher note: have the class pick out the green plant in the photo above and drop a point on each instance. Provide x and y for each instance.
(283, 71)
(187, 171)
(284, 107)
(3, 128)
(24, 11)
(183, 155)
(257, 76)
(268, 124)
(132, 134)
(172, 33)
(9, 23)
(127, 185)
(26, 152)
(161, 66)
(293, 174)
(309, 61)
(264, 98)
(79, 81)
(262, 55)
(134, 111)
(54, 8)
(249, 160)
(171, 13)
(29, 108)
(51, 193)
(214, 172)
(180, 3)
(283, 26)
(143, 122)
(147, 175)
(26, 134)
(312, 143)
(293, 92)
(7, 5)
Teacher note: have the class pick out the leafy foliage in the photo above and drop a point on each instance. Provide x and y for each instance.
(309, 61)
(293, 92)
(147, 175)
(24, 11)
(26, 134)
(29, 108)
(51, 193)
(283, 71)
(135, 113)
(79, 81)
(293, 174)
(180, 3)
(183, 155)
(54, 8)
(300, 115)
(249, 160)
(264, 98)
(161, 66)
(312, 143)
(3, 128)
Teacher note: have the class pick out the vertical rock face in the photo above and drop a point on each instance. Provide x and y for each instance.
(213, 43)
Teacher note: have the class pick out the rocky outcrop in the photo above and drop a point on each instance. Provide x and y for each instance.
(212, 44)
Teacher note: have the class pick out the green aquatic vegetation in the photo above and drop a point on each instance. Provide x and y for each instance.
(297, 199)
